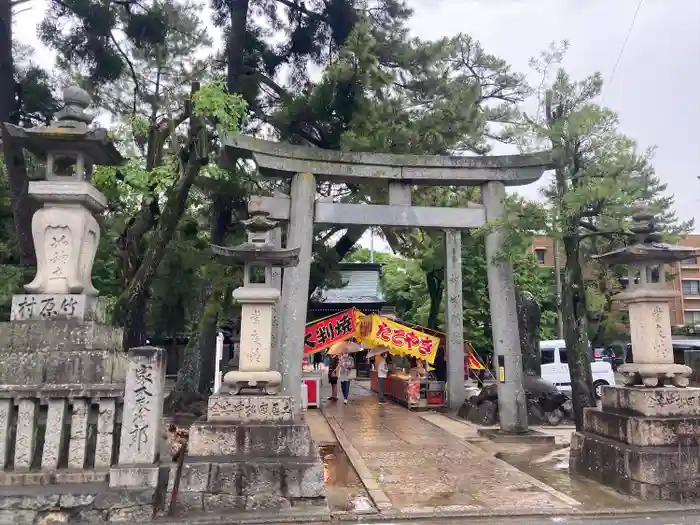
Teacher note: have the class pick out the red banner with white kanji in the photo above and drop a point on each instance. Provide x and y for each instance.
(323, 333)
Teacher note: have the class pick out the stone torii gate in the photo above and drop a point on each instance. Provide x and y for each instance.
(305, 166)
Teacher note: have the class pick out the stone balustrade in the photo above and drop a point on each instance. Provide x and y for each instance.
(58, 433)
(83, 433)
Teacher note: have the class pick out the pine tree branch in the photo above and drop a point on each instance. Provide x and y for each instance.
(299, 8)
(594, 231)
(126, 58)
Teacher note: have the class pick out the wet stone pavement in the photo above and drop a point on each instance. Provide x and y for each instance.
(420, 466)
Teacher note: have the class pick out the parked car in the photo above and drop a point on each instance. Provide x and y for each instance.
(555, 368)
(605, 354)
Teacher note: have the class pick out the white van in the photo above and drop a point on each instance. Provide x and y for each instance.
(555, 368)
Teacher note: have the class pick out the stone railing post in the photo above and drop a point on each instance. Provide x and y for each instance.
(141, 420)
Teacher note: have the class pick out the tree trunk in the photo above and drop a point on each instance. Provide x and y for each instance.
(235, 44)
(136, 295)
(135, 325)
(529, 327)
(198, 367)
(221, 215)
(435, 288)
(22, 210)
(189, 372)
(576, 328)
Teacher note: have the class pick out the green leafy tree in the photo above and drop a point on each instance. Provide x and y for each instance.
(138, 60)
(600, 176)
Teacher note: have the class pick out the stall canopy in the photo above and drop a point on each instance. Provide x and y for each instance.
(472, 360)
(400, 338)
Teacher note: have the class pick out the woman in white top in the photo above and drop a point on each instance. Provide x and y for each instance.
(345, 365)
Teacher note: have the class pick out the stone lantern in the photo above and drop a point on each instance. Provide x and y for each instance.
(647, 298)
(254, 450)
(56, 333)
(643, 440)
(66, 234)
(257, 297)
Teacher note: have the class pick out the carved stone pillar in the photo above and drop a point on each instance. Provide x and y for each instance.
(455, 322)
(512, 405)
(295, 285)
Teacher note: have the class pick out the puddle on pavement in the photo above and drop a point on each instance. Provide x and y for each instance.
(555, 473)
(344, 489)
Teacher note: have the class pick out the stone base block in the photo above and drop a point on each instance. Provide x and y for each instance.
(666, 473)
(531, 436)
(642, 431)
(134, 476)
(652, 402)
(231, 408)
(655, 375)
(61, 352)
(268, 381)
(53, 307)
(253, 440)
(91, 503)
(250, 484)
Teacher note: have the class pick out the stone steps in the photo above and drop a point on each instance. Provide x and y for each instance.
(642, 431)
(250, 484)
(251, 440)
(643, 442)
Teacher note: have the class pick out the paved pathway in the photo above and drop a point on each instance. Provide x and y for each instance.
(554, 520)
(419, 466)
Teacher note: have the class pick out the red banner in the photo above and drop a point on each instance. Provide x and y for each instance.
(321, 334)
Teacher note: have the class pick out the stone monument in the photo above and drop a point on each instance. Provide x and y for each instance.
(644, 439)
(254, 451)
(55, 335)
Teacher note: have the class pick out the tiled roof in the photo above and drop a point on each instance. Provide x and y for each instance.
(362, 285)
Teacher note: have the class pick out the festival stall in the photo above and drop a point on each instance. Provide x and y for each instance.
(410, 387)
(320, 335)
(414, 387)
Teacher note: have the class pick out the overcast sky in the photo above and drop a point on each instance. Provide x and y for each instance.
(655, 88)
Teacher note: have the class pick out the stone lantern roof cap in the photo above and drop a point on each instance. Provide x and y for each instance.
(70, 132)
(649, 253)
(262, 251)
(264, 254)
(647, 247)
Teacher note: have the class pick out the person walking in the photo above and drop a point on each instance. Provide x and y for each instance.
(345, 365)
(318, 359)
(333, 367)
(382, 373)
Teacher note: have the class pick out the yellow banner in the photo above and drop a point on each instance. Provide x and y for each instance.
(378, 331)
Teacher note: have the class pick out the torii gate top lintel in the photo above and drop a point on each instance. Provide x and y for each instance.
(277, 159)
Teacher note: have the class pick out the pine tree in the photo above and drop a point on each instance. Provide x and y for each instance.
(600, 176)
